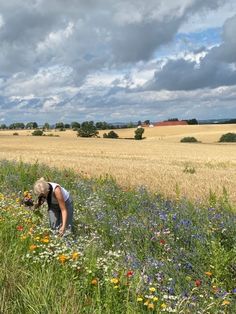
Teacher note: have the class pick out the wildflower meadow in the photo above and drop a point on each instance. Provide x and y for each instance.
(132, 251)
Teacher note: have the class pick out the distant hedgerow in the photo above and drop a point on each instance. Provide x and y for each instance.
(189, 139)
(228, 137)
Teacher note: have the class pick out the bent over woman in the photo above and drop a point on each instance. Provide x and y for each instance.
(60, 204)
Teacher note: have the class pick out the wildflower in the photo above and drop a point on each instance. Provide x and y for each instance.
(208, 273)
(225, 302)
(139, 299)
(116, 287)
(150, 306)
(162, 241)
(75, 256)
(152, 289)
(33, 247)
(129, 273)
(115, 280)
(94, 282)
(198, 283)
(163, 306)
(20, 228)
(62, 258)
(23, 237)
(155, 299)
(45, 240)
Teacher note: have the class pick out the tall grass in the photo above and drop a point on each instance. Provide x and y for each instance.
(132, 251)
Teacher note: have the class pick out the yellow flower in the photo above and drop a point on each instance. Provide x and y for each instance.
(146, 303)
(75, 256)
(116, 287)
(150, 306)
(225, 302)
(23, 237)
(208, 273)
(139, 299)
(115, 280)
(163, 305)
(152, 289)
(155, 299)
(37, 238)
(62, 258)
(33, 247)
(45, 240)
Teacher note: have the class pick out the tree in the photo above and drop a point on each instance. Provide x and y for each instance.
(87, 129)
(59, 125)
(139, 133)
(31, 125)
(75, 125)
(147, 122)
(46, 126)
(17, 126)
(192, 121)
(3, 126)
(67, 126)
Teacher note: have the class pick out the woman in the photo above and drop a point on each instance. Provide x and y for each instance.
(60, 204)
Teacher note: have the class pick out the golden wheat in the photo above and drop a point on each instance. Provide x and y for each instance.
(160, 162)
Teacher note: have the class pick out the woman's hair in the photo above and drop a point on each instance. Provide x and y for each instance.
(41, 187)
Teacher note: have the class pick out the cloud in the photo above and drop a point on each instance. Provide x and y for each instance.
(102, 58)
(216, 68)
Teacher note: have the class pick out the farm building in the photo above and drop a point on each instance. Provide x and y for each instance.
(165, 123)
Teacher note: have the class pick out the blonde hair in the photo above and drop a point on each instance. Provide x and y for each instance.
(41, 187)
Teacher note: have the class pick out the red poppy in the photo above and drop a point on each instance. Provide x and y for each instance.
(20, 228)
(162, 241)
(198, 283)
(129, 273)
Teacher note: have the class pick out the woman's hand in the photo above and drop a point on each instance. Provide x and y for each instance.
(61, 231)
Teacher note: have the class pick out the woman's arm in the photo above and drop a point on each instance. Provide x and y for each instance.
(62, 205)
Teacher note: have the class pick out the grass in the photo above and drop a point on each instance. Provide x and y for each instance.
(132, 251)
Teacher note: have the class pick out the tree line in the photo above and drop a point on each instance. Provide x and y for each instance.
(100, 125)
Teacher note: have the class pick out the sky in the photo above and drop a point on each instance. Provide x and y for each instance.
(117, 60)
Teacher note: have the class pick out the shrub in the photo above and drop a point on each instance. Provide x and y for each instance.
(189, 139)
(110, 134)
(228, 137)
(15, 133)
(37, 133)
(139, 133)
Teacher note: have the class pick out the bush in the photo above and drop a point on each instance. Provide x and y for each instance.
(37, 133)
(139, 133)
(110, 134)
(189, 139)
(15, 133)
(228, 137)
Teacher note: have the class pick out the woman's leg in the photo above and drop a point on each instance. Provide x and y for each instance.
(55, 218)
(70, 208)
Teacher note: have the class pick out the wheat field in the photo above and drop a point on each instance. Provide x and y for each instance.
(159, 162)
